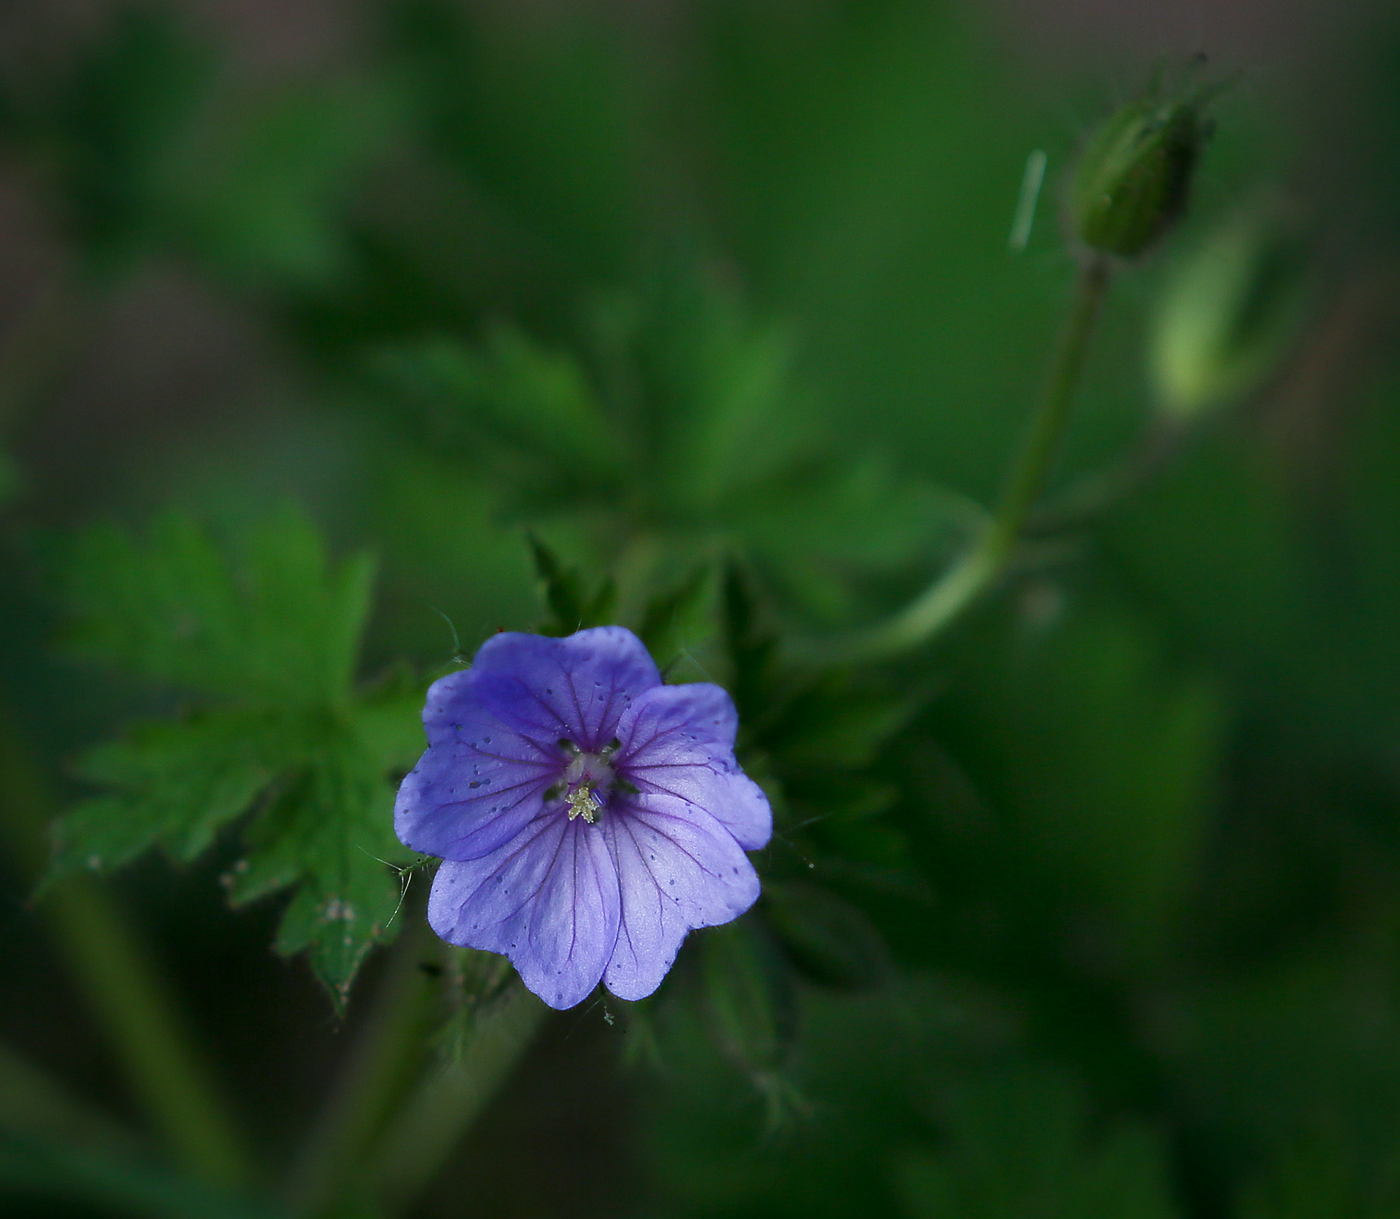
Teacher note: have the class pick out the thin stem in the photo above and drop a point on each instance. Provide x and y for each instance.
(449, 1100)
(123, 988)
(379, 1069)
(987, 558)
(1160, 441)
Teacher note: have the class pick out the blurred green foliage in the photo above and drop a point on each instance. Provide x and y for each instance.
(710, 328)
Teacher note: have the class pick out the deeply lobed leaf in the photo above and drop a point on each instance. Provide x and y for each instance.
(270, 639)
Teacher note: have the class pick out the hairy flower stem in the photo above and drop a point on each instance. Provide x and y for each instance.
(987, 558)
(122, 986)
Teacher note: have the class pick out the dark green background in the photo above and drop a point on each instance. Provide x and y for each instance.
(1146, 930)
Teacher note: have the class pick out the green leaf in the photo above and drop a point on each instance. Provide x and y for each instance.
(677, 620)
(827, 938)
(1020, 1145)
(273, 620)
(36, 1169)
(534, 406)
(268, 630)
(256, 191)
(174, 784)
(572, 606)
(749, 996)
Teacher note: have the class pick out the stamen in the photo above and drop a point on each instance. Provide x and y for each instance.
(583, 803)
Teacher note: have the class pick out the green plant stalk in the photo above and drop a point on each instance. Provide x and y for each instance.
(378, 1071)
(444, 1106)
(987, 558)
(1161, 440)
(35, 1105)
(122, 986)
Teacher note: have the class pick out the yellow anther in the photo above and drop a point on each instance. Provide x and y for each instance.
(583, 803)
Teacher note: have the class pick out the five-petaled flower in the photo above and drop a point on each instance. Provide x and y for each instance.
(588, 815)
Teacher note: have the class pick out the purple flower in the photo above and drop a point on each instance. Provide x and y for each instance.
(588, 816)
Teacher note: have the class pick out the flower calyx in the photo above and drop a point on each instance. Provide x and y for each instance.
(1133, 179)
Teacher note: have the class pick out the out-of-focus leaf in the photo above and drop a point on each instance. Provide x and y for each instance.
(676, 621)
(115, 127)
(748, 996)
(1322, 1176)
(153, 150)
(1020, 1145)
(535, 405)
(272, 639)
(35, 1105)
(31, 1169)
(1102, 760)
(255, 195)
(571, 607)
(1228, 313)
(540, 115)
(752, 644)
(827, 938)
(844, 539)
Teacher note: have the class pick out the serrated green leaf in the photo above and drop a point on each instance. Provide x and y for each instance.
(338, 918)
(273, 637)
(173, 784)
(278, 623)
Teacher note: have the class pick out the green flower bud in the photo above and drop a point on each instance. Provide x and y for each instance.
(1134, 175)
(1227, 313)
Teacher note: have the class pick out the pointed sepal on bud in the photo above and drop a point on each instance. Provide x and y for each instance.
(1133, 179)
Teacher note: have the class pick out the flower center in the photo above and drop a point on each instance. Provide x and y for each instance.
(587, 781)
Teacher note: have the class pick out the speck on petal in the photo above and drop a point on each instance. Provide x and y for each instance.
(548, 900)
(678, 868)
(478, 784)
(575, 688)
(680, 739)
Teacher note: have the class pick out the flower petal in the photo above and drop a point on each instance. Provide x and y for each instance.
(680, 739)
(678, 868)
(480, 782)
(575, 688)
(548, 900)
